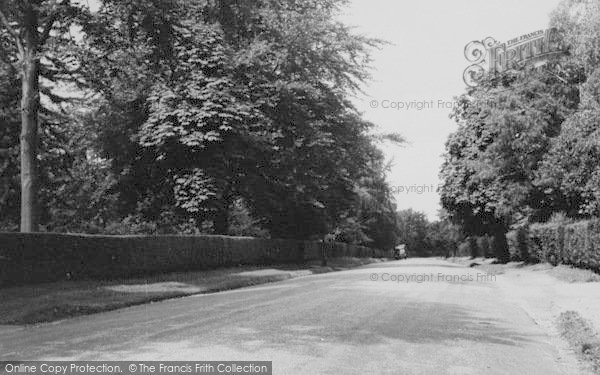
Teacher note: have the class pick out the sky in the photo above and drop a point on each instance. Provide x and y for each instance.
(421, 70)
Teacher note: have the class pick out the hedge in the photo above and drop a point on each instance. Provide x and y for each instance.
(518, 244)
(582, 246)
(513, 245)
(479, 246)
(46, 257)
(576, 244)
(548, 242)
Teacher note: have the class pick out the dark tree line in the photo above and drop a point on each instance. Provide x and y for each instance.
(424, 238)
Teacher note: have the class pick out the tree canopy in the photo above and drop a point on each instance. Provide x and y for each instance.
(526, 145)
(186, 116)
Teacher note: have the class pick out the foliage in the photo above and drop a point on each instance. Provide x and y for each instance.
(412, 229)
(444, 238)
(424, 238)
(527, 149)
(35, 50)
(505, 128)
(504, 165)
(572, 243)
(241, 222)
(519, 244)
(203, 116)
(571, 167)
(9, 149)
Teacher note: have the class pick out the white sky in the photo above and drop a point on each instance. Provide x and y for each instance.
(425, 62)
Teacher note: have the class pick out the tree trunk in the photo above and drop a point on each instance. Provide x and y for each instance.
(473, 247)
(221, 218)
(221, 222)
(29, 128)
(500, 245)
(30, 103)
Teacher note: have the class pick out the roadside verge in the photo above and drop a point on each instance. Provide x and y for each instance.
(562, 299)
(50, 302)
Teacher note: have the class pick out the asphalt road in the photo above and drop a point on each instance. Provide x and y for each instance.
(336, 323)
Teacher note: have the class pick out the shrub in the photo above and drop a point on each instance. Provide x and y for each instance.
(560, 218)
(484, 246)
(476, 247)
(534, 245)
(576, 244)
(548, 240)
(581, 246)
(464, 249)
(499, 247)
(473, 249)
(594, 245)
(523, 243)
(519, 244)
(512, 238)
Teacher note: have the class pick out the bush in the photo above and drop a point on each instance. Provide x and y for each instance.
(464, 249)
(473, 249)
(500, 247)
(581, 246)
(523, 243)
(520, 245)
(576, 244)
(484, 246)
(549, 240)
(594, 245)
(512, 238)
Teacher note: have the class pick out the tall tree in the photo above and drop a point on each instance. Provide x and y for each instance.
(570, 171)
(505, 130)
(29, 25)
(252, 103)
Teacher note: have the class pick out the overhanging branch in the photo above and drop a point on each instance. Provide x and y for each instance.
(12, 32)
(48, 27)
(7, 62)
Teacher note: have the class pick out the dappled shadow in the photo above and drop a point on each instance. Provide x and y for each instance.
(291, 319)
(412, 322)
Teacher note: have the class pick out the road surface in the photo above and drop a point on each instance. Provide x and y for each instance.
(351, 322)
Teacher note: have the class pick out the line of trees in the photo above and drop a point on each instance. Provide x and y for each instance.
(172, 116)
(424, 238)
(527, 145)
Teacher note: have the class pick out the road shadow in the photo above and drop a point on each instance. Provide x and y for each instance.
(293, 321)
(411, 265)
(413, 323)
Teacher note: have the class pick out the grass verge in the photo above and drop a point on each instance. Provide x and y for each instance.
(582, 338)
(574, 275)
(49, 302)
(561, 272)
